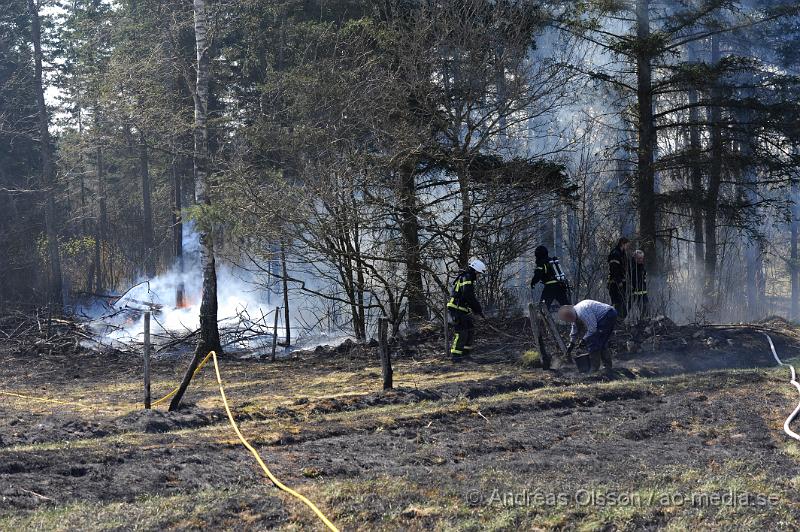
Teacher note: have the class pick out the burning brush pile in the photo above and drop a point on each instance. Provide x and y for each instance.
(248, 320)
(246, 317)
(246, 324)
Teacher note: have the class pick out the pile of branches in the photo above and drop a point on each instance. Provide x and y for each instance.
(44, 334)
(242, 329)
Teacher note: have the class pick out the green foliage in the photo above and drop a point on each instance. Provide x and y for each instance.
(531, 359)
(77, 246)
(319, 109)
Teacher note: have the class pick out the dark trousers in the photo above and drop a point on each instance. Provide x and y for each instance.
(597, 344)
(617, 293)
(464, 327)
(642, 302)
(555, 292)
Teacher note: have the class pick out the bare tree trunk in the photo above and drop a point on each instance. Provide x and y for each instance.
(84, 226)
(714, 182)
(209, 330)
(697, 185)
(625, 179)
(208, 308)
(793, 258)
(48, 181)
(417, 306)
(147, 209)
(465, 243)
(558, 244)
(285, 282)
(547, 231)
(101, 223)
(576, 255)
(753, 248)
(361, 332)
(647, 142)
(177, 225)
(696, 177)
(748, 190)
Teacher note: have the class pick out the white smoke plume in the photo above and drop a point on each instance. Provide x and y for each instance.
(245, 313)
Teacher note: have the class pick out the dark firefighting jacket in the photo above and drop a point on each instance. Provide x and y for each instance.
(463, 299)
(544, 273)
(617, 263)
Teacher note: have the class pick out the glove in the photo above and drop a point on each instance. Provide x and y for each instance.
(570, 348)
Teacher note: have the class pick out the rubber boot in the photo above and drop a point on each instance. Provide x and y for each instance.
(605, 356)
(594, 360)
(582, 363)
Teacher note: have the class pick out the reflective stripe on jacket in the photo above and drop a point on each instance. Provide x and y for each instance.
(463, 297)
(544, 273)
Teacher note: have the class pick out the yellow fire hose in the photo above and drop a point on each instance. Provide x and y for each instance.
(196, 371)
(280, 485)
(43, 400)
(212, 355)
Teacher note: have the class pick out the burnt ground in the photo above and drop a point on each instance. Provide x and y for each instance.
(685, 432)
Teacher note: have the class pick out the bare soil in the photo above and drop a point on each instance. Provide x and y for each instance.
(688, 417)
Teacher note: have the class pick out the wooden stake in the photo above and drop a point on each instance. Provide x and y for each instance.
(386, 361)
(147, 360)
(275, 334)
(538, 328)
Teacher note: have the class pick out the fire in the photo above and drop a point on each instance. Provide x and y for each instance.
(181, 299)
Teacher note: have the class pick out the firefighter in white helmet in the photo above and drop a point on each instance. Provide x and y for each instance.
(462, 305)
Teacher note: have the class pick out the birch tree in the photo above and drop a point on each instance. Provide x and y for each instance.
(209, 329)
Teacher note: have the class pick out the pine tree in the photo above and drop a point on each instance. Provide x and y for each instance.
(48, 171)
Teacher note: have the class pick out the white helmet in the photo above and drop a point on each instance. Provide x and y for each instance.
(477, 265)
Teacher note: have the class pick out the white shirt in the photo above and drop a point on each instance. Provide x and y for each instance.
(588, 312)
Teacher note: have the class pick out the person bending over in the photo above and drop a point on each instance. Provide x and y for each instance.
(592, 323)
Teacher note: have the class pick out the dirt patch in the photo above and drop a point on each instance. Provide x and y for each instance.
(154, 421)
(398, 396)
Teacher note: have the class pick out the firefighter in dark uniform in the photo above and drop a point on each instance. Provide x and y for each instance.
(617, 274)
(462, 306)
(638, 276)
(547, 272)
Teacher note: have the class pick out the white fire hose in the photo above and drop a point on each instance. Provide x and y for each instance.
(796, 384)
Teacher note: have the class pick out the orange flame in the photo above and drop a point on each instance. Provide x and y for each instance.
(181, 301)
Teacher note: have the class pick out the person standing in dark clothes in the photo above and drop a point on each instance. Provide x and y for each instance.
(638, 276)
(547, 272)
(617, 276)
(462, 305)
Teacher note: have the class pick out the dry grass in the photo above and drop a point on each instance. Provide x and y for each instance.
(392, 501)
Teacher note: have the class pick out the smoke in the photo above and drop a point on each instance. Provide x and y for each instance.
(236, 298)
(246, 311)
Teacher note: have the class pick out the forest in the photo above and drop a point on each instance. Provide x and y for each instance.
(301, 174)
(407, 137)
